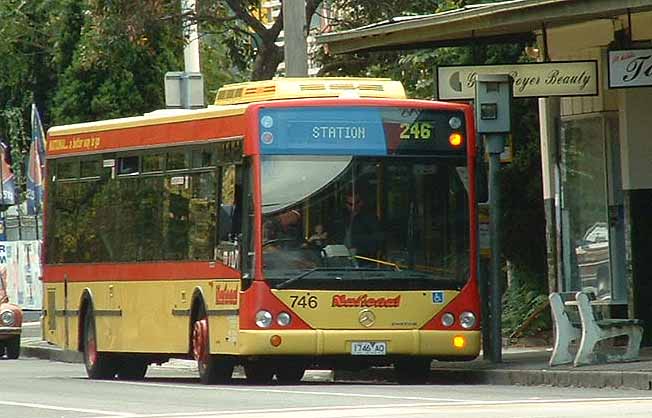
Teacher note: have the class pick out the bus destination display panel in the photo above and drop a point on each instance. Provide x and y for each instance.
(361, 131)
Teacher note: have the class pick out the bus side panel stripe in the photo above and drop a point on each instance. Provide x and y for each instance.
(101, 272)
(143, 136)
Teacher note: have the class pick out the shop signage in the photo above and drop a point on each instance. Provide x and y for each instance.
(576, 78)
(630, 68)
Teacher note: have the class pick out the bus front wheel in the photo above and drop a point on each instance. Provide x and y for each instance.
(415, 370)
(98, 365)
(288, 374)
(259, 373)
(13, 348)
(212, 368)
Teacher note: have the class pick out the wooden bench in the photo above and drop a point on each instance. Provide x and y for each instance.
(590, 330)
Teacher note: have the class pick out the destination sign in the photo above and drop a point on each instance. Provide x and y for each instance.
(357, 130)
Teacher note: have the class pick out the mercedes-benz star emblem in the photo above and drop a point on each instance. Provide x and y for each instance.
(366, 318)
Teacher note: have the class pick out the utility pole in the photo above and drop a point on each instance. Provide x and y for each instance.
(295, 32)
(191, 49)
(493, 96)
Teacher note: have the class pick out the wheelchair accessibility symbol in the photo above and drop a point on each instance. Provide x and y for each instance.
(438, 298)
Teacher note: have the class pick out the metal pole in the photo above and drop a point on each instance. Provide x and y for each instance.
(191, 48)
(295, 45)
(495, 144)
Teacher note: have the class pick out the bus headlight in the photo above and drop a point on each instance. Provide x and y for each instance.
(447, 319)
(263, 319)
(467, 320)
(283, 319)
(7, 318)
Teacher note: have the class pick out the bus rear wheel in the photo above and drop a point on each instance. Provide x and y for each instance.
(98, 365)
(212, 368)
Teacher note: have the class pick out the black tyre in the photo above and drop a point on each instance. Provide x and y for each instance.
(99, 365)
(218, 369)
(412, 371)
(213, 369)
(288, 374)
(13, 347)
(259, 373)
(131, 368)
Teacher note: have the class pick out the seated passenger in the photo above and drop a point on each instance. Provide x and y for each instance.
(319, 237)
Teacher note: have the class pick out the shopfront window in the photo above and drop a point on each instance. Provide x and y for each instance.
(586, 238)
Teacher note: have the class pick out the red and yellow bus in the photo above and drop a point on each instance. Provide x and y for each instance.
(223, 234)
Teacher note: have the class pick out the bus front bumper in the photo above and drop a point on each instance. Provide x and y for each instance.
(442, 344)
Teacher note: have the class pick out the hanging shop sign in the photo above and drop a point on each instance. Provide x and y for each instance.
(575, 78)
(630, 68)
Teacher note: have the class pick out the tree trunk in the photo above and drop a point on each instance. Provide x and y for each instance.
(267, 60)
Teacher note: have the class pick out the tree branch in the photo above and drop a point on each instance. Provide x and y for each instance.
(237, 7)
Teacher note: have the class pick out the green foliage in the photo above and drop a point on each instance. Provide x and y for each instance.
(215, 66)
(524, 299)
(118, 65)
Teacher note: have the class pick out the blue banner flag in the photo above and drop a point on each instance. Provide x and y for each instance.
(35, 165)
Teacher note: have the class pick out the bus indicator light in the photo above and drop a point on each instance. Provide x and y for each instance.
(456, 139)
(275, 340)
(459, 342)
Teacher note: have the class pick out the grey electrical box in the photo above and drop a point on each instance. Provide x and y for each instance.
(192, 90)
(184, 90)
(173, 89)
(493, 98)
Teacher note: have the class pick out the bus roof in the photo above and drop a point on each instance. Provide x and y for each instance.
(295, 88)
(152, 118)
(233, 99)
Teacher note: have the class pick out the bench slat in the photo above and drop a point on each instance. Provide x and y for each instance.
(618, 322)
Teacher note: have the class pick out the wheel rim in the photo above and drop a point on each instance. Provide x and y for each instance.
(199, 340)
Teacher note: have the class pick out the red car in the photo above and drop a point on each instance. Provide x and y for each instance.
(11, 320)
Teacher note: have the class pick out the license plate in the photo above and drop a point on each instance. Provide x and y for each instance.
(368, 348)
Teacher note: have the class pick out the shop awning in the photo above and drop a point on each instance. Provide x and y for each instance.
(494, 23)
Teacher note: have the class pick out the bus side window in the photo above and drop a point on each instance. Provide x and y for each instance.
(229, 215)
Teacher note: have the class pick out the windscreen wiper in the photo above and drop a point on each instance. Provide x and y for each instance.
(288, 282)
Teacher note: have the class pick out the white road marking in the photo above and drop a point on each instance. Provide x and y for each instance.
(287, 391)
(441, 409)
(63, 408)
(31, 324)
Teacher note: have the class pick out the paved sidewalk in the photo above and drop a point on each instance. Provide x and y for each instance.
(520, 366)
